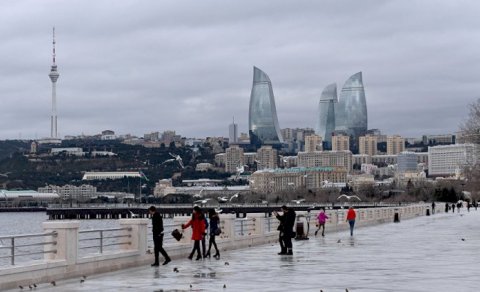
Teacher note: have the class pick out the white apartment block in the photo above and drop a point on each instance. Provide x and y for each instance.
(110, 175)
(83, 192)
(326, 158)
(449, 160)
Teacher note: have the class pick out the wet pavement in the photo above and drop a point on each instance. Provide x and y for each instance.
(435, 253)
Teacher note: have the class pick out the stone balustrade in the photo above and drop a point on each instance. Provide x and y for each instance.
(255, 229)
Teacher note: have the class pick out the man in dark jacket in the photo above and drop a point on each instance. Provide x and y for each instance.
(287, 221)
(157, 231)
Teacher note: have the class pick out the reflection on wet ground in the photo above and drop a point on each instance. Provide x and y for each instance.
(423, 254)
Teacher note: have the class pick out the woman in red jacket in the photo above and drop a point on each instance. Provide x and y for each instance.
(351, 215)
(198, 230)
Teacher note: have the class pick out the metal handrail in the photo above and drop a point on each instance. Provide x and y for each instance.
(13, 245)
(106, 230)
(101, 238)
(53, 233)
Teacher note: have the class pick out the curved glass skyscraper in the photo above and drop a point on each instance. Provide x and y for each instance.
(263, 121)
(351, 110)
(326, 113)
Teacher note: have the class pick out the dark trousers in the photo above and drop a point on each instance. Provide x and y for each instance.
(158, 247)
(196, 248)
(204, 248)
(211, 242)
(285, 241)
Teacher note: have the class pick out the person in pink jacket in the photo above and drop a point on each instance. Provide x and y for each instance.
(322, 218)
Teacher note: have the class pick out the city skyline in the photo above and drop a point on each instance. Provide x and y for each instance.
(186, 67)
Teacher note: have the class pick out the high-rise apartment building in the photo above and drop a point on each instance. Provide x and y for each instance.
(233, 158)
(340, 143)
(395, 145)
(313, 143)
(450, 159)
(267, 157)
(326, 113)
(368, 145)
(263, 121)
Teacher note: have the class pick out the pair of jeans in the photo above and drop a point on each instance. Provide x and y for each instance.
(352, 224)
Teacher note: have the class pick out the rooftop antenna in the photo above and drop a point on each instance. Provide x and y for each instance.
(53, 45)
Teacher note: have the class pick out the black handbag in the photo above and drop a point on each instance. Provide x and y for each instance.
(217, 231)
(177, 234)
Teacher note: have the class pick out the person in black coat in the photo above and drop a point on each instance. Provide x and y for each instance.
(157, 231)
(214, 231)
(287, 221)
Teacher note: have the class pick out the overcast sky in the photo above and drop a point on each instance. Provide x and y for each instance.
(143, 66)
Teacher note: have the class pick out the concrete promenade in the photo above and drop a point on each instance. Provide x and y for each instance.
(428, 253)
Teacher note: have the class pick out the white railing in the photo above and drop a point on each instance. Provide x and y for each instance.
(63, 241)
(24, 245)
(99, 239)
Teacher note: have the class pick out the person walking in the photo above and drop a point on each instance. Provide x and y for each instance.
(214, 231)
(287, 221)
(351, 215)
(157, 231)
(453, 208)
(322, 218)
(204, 249)
(433, 207)
(198, 229)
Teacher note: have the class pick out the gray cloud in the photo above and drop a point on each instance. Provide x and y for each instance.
(141, 66)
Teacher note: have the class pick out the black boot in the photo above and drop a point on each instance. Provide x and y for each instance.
(207, 255)
(289, 252)
(199, 257)
(284, 251)
(217, 255)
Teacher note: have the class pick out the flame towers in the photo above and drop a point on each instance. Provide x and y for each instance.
(351, 111)
(263, 121)
(347, 115)
(54, 77)
(326, 113)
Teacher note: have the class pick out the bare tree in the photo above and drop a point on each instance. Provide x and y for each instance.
(471, 134)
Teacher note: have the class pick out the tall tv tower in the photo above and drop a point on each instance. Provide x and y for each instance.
(54, 77)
